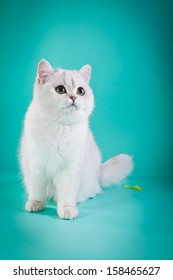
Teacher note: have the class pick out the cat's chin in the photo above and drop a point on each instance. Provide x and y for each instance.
(72, 115)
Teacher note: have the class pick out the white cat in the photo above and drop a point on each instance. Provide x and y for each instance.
(59, 157)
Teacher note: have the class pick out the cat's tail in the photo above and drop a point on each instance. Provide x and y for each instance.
(115, 170)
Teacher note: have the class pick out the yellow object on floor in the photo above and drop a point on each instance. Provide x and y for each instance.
(136, 188)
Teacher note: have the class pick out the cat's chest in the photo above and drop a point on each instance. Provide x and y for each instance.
(59, 141)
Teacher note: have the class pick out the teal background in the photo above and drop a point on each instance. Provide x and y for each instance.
(129, 46)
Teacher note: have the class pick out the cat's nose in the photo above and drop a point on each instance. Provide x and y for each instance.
(73, 98)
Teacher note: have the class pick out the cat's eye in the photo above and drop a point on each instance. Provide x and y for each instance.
(80, 91)
(60, 89)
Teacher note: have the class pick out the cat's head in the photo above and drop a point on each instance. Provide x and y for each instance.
(64, 93)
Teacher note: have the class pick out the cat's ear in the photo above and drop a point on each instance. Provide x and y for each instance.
(43, 71)
(85, 72)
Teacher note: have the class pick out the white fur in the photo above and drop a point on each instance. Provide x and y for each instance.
(58, 154)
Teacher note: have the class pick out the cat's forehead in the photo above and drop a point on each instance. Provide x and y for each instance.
(67, 77)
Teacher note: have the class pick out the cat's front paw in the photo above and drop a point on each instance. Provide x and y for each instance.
(34, 206)
(68, 212)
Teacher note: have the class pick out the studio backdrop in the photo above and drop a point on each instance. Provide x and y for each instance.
(129, 45)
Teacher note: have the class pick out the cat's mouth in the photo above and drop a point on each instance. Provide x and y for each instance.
(72, 106)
